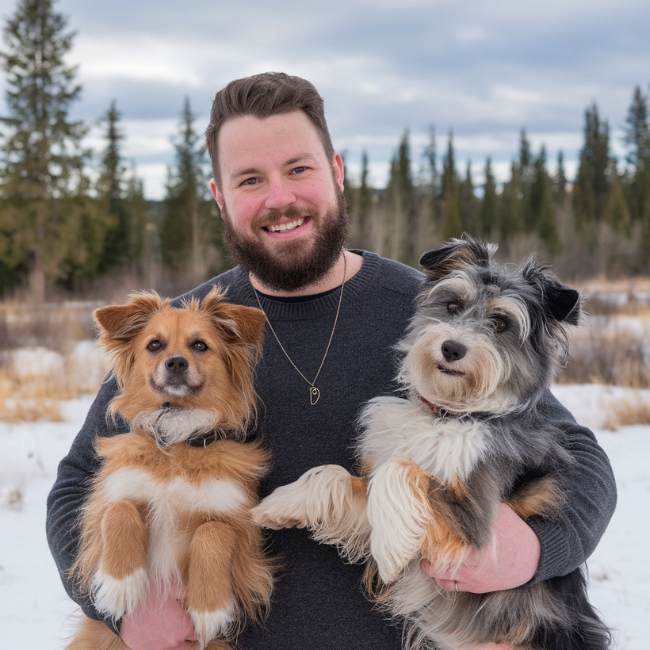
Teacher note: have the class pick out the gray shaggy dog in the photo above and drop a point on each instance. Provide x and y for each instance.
(480, 351)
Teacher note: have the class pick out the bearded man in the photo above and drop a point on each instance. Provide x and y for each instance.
(333, 317)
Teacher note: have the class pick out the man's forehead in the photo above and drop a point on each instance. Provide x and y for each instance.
(245, 140)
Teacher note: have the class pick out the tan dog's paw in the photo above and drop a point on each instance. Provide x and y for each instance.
(211, 624)
(117, 597)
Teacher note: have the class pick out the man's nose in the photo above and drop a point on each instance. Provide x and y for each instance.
(280, 195)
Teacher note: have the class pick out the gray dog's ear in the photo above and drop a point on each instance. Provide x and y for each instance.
(560, 302)
(563, 303)
(454, 255)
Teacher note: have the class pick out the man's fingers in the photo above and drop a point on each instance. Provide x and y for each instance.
(449, 585)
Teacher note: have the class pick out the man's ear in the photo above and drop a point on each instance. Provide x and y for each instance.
(216, 193)
(338, 168)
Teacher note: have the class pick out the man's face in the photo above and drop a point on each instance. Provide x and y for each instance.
(281, 198)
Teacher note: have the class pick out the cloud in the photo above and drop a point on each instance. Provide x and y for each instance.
(483, 70)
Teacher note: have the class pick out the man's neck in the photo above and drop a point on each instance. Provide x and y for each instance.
(332, 279)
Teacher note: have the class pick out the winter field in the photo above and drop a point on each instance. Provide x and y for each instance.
(35, 611)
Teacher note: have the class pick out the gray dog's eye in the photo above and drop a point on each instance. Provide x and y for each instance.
(454, 307)
(501, 323)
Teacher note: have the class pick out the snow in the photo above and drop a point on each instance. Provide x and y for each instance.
(35, 612)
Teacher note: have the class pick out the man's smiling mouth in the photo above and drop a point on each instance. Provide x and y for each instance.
(283, 227)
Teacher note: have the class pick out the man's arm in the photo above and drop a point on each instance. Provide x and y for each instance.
(567, 541)
(540, 548)
(70, 490)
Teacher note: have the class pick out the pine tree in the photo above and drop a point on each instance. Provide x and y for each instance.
(526, 175)
(44, 190)
(511, 207)
(468, 203)
(142, 236)
(348, 189)
(560, 180)
(431, 157)
(591, 186)
(541, 204)
(401, 200)
(617, 214)
(637, 130)
(111, 187)
(364, 204)
(450, 218)
(487, 226)
(637, 138)
(187, 226)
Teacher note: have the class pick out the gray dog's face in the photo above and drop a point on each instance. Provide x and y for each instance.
(484, 337)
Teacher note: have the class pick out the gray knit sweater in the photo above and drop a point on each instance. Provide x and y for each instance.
(318, 600)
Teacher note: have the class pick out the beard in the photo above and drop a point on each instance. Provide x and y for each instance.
(297, 264)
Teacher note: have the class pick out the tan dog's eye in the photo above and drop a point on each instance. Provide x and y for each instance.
(199, 346)
(155, 345)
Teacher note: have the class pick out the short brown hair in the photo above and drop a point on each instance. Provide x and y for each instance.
(263, 95)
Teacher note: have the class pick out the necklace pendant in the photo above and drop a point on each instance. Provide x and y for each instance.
(314, 395)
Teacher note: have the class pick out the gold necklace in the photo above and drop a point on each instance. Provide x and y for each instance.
(314, 391)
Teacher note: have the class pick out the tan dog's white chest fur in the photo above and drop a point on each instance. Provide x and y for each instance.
(166, 501)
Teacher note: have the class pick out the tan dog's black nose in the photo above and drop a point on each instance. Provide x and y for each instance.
(176, 365)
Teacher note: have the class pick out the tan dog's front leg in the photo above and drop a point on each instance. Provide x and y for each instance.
(210, 598)
(326, 499)
(121, 578)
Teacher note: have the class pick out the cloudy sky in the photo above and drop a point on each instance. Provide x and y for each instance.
(483, 69)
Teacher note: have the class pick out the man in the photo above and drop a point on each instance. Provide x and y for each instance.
(333, 317)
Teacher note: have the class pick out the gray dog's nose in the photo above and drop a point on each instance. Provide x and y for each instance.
(453, 350)
(176, 364)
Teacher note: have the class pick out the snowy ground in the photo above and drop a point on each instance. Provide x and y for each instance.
(36, 613)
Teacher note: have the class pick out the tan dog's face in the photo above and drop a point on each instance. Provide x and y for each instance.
(189, 367)
(179, 357)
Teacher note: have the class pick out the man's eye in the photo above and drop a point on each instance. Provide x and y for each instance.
(199, 346)
(501, 324)
(454, 307)
(300, 169)
(249, 181)
(154, 345)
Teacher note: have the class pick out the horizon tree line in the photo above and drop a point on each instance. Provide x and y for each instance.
(64, 227)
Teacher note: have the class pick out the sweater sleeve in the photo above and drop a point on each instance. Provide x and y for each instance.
(568, 540)
(71, 487)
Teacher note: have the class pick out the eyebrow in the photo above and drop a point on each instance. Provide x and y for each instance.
(291, 161)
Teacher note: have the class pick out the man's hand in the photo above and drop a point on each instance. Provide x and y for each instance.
(508, 561)
(159, 623)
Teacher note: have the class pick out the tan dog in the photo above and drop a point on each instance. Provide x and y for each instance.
(171, 501)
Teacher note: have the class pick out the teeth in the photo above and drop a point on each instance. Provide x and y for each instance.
(286, 226)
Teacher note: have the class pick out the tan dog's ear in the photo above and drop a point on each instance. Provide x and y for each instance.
(236, 323)
(119, 324)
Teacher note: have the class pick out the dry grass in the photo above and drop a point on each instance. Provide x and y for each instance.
(29, 396)
(627, 412)
(52, 325)
(609, 350)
